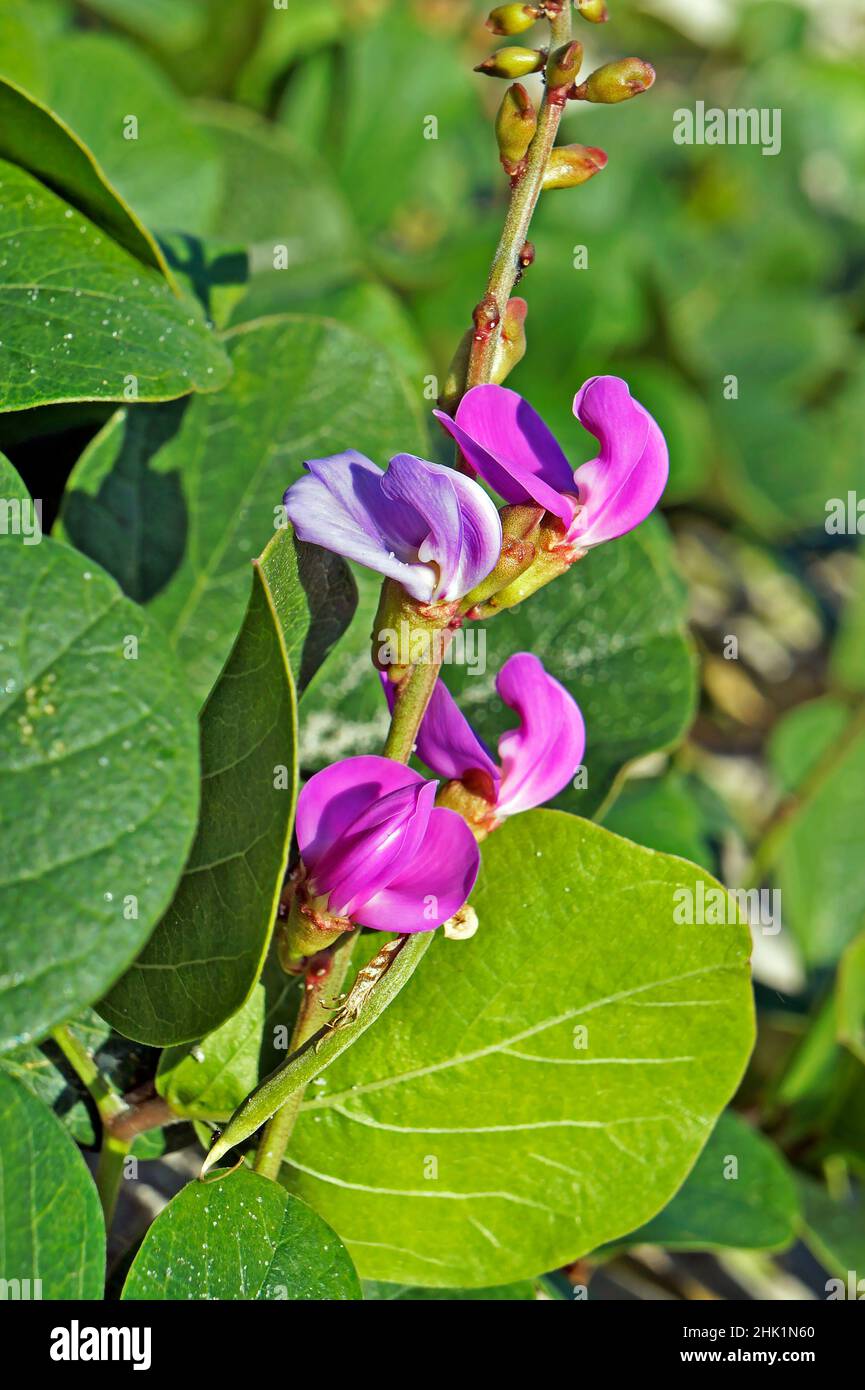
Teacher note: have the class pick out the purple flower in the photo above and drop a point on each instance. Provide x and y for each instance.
(429, 527)
(507, 442)
(376, 849)
(536, 760)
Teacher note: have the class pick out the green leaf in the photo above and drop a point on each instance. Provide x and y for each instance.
(113, 330)
(819, 861)
(240, 1237)
(165, 167)
(98, 783)
(523, 1292)
(217, 468)
(469, 1137)
(833, 1230)
(209, 1080)
(214, 272)
(41, 144)
(203, 960)
(49, 1210)
(851, 997)
(739, 1196)
(662, 813)
(279, 200)
(613, 631)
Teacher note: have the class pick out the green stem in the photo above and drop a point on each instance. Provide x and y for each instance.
(109, 1172)
(316, 1054)
(412, 698)
(524, 197)
(109, 1102)
(312, 1016)
(111, 1107)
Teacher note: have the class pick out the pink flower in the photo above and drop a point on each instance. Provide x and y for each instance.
(377, 851)
(536, 760)
(507, 442)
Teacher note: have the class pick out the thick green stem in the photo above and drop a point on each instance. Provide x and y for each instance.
(108, 1101)
(109, 1172)
(524, 196)
(318, 1052)
(313, 1014)
(111, 1107)
(412, 698)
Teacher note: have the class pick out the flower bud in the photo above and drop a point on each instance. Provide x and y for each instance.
(521, 529)
(617, 81)
(570, 165)
(512, 19)
(564, 64)
(511, 346)
(513, 62)
(595, 11)
(516, 124)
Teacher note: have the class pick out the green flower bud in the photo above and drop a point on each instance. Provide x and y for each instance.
(595, 11)
(570, 165)
(564, 64)
(513, 62)
(511, 346)
(512, 19)
(617, 81)
(516, 124)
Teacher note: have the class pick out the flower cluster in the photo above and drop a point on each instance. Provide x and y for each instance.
(381, 846)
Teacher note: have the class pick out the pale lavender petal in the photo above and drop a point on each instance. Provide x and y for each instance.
(541, 756)
(507, 442)
(374, 849)
(340, 505)
(332, 799)
(446, 741)
(463, 532)
(620, 487)
(433, 886)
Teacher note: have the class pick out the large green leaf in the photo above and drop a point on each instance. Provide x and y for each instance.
(818, 752)
(98, 783)
(613, 631)
(217, 467)
(240, 1237)
(165, 166)
(739, 1196)
(110, 329)
(477, 1134)
(50, 1217)
(276, 195)
(40, 143)
(203, 960)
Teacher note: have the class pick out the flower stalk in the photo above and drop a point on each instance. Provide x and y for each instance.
(525, 191)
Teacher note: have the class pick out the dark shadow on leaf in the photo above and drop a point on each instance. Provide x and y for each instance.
(205, 268)
(136, 524)
(332, 597)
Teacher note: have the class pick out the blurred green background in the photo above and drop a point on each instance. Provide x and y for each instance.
(351, 139)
